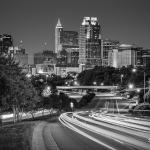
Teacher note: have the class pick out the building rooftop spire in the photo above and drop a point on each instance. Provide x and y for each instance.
(58, 24)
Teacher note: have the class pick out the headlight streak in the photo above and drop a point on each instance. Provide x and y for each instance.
(123, 124)
(143, 134)
(114, 136)
(84, 134)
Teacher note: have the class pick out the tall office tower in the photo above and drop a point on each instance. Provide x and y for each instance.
(90, 43)
(58, 36)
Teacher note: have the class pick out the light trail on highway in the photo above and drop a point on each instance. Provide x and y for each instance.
(108, 132)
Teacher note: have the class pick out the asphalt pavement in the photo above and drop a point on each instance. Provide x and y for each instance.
(62, 135)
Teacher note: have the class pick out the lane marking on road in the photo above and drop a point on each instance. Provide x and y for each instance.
(131, 141)
(123, 124)
(141, 135)
(84, 134)
(88, 127)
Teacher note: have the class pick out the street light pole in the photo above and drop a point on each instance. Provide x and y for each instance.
(144, 86)
(134, 70)
(46, 78)
(121, 78)
(1, 39)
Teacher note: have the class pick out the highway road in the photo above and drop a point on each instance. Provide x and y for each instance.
(79, 131)
(55, 136)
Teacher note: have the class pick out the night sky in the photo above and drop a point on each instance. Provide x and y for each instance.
(33, 21)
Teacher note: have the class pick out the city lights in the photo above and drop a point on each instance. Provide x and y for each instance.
(102, 84)
(133, 70)
(80, 79)
(138, 90)
(28, 75)
(75, 83)
(131, 86)
(40, 71)
(94, 83)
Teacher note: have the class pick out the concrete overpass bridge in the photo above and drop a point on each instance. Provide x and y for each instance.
(87, 87)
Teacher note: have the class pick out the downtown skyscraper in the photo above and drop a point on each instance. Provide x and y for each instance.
(64, 39)
(58, 36)
(90, 52)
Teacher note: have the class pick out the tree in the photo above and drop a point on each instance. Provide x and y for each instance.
(147, 95)
(65, 101)
(86, 99)
(17, 91)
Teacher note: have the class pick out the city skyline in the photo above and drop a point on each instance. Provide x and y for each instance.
(34, 22)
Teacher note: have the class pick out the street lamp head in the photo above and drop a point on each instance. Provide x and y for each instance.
(75, 83)
(138, 90)
(28, 75)
(102, 84)
(131, 86)
(48, 88)
(94, 83)
(122, 75)
(133, 70)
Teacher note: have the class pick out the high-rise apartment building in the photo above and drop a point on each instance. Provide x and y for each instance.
(90, 53)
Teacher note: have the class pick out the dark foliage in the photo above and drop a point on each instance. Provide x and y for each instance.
(17, 92)
(86, 99)
(112, 76)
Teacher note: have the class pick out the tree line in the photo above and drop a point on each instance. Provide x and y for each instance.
(18, 93)
(121, 77)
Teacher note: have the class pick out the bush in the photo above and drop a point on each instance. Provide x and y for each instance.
(142, 109)
(86, 99)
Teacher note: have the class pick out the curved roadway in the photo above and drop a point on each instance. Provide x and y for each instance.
(78, 131)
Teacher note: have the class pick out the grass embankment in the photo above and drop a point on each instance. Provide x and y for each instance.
(19, 136)
(16, 136)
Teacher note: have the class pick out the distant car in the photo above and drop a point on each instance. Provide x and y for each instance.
(132, 105)
(142, 109)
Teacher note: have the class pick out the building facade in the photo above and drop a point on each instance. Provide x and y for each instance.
(69, 38)
(58, 36)
(73, 57)
(107, 46)
(46, 55)
(146, 57)
(66, 48)
(90, 43)
(20, 56)
(6, 41)
(138, 56)
(125, 55)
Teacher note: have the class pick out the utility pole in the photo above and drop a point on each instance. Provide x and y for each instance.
(144, 86)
